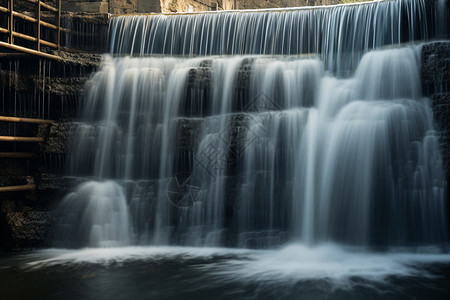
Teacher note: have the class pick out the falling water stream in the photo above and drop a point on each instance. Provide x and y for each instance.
(262, 154)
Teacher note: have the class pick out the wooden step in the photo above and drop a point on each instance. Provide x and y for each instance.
(21, 139)
(17, 155)
(18, 188)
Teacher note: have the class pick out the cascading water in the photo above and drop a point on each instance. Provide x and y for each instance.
(340, 34)
(255, 151)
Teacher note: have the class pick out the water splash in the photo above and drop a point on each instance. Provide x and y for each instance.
(100, 214)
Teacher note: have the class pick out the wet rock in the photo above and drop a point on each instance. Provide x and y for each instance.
(436, 68)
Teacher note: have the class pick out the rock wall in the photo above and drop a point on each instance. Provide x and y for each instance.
(436, 87)
(112, 6)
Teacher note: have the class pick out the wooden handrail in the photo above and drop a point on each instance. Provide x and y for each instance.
(44, 5)
(36, 20)
(24, 120)
(28, 18)
(18, 188)
(29, 38)
(30, 51)
(21, 139)
(17, 155)
(24, 36)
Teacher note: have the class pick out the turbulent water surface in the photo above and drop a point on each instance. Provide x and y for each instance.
(292, 272)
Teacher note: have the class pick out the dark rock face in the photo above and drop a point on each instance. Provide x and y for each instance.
(436, 68)
(27, 229)
(435, 85)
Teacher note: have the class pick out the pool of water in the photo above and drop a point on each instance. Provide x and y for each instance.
(292, 272)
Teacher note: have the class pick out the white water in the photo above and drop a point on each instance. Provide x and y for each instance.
(341, 34)
(296, 155)
(286, 267)
(256, 151)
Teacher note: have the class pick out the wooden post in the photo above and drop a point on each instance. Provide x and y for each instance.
(38, 17)
(11, 21)
(59, 25)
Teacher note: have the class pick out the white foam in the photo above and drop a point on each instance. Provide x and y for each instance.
(291, 264)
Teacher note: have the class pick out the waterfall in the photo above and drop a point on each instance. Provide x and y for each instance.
(254, 150)
(340, 34)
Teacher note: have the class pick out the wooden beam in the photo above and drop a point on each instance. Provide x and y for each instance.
(11, 21)
(11, 54)
(44, 5)
(58, 40)
(28, 18)
(17, 155)
(49, 44)
(49, 7)
(32, 39)
(48, 25)
(24, 36)
(38, 17)
(30, 51)
(18, 188)
(24, 120)
(21, 139)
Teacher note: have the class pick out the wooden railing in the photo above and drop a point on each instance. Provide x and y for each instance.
(20, 155)
(37, 39)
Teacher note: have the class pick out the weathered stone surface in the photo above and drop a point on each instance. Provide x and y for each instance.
(27, 229)
(55, 182)
(112, 6)
(440, 104)
(436, 68)
(56, 138)
(435, 85)
(212, 5)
